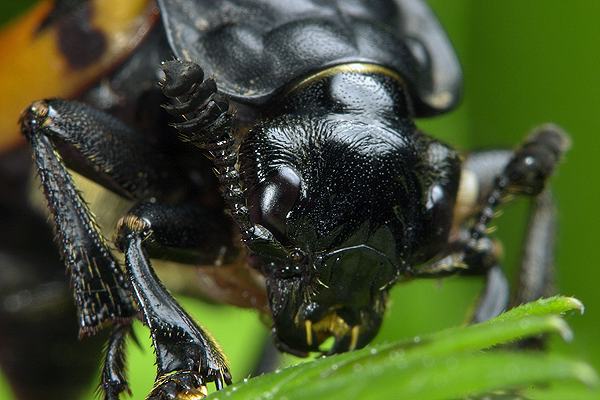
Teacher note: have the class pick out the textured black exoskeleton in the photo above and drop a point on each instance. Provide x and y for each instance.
(325, 190)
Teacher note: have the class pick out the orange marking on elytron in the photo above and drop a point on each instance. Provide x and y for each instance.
(33, 67)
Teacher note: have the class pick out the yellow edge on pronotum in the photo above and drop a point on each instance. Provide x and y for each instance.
(354, 67)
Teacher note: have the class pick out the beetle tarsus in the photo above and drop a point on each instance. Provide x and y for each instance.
(535, 160)
(114, 380)
(209, 114)
(181, 385)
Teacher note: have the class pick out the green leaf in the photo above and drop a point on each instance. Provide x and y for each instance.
(557, 305)
(443, 377)
(448, 364)
(571, 391)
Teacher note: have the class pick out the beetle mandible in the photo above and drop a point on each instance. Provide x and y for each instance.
(305, 110)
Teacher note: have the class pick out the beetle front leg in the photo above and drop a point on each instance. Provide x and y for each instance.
(523, 172)
(68, 133)
(187, 357)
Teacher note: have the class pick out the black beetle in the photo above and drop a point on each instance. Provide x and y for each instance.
(336, 195)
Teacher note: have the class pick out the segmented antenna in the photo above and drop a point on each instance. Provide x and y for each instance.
(206, 122)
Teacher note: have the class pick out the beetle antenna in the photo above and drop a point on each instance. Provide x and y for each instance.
(207, 123)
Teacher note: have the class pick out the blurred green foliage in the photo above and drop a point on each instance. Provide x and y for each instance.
(525, 63)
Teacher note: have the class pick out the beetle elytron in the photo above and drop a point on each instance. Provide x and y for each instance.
(306, 119)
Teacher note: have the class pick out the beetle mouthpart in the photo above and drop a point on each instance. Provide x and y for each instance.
(354, 337)
(332, 325)
(308, 328)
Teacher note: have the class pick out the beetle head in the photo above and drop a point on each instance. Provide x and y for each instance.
(330, 199)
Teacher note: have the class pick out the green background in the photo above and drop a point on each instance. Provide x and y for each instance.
(525, 62)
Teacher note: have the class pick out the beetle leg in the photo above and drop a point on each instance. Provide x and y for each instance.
(523, 172)
(113, 379)
(187, 357)
(536, 271)
(64, 133)
(494, 298)
(36, 307)
(100, 147)
(184, 233)
(99, 285)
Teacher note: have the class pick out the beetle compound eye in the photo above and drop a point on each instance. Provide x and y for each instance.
(275, 198)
